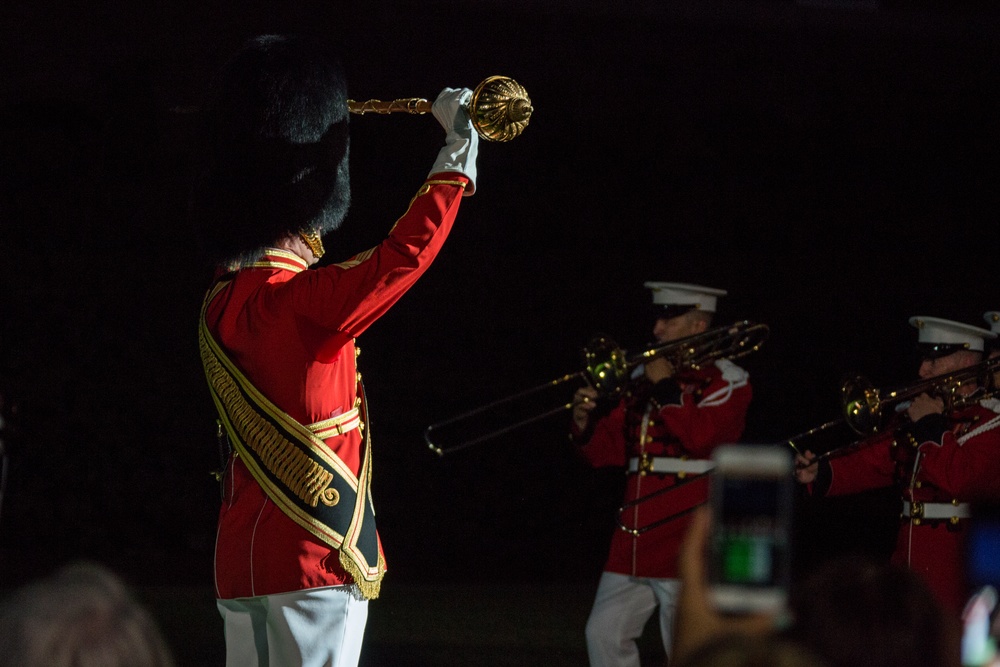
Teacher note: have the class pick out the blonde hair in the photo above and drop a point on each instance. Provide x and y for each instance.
(736, 650)
(83, 615)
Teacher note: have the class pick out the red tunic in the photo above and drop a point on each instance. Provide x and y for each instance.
(292, 331)
(962, 466)
(711, 411)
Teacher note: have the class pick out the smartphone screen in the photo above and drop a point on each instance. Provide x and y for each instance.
(982, 564)
(751, 495)
(983, 546)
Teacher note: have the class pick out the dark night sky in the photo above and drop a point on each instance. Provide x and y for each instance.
(834, 168)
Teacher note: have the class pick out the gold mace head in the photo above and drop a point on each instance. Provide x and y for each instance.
(500, 108)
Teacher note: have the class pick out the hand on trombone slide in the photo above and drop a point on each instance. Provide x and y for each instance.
(806, 467)
(807, 463)
(584, 401)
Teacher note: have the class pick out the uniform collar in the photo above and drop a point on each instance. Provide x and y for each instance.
(276, 258)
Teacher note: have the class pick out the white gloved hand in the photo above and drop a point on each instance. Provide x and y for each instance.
(461, 141)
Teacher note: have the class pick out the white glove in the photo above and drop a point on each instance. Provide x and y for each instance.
(462, 141)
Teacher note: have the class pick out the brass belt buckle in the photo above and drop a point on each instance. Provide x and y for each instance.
(916, 511)
(645, 464)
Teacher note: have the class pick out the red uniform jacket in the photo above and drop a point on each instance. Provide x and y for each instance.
(292, 334)
(710, 410)
(959, 465)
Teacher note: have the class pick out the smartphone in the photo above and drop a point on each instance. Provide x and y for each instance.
(751, 495)
(982, 545)
(982, 567)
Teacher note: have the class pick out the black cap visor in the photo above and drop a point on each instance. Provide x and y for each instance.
(668, 312)
(938, 350)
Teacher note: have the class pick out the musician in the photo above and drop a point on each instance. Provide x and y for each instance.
(942, 458)
(297, 553)
(992, 318)
(662, 432)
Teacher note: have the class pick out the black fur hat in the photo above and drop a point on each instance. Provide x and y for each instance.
(273, 153)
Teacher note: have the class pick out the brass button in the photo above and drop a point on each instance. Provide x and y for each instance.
(645, 464)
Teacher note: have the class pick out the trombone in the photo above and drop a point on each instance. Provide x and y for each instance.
(865, 408)
(608, 369)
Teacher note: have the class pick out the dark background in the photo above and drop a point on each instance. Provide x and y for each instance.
(832, 165)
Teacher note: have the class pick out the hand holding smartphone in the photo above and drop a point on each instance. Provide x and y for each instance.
(698, 620)
(749, 549)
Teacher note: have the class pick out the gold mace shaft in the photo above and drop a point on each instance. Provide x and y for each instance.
(500, 108)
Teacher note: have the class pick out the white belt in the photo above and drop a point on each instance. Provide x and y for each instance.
(937, 510)
(338, 425)
(669, 464)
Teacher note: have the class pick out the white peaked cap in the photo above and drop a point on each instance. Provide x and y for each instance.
(936, 331)
(681, 294)
(992, 317)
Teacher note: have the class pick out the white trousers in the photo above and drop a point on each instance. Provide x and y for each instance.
(320, 627)
(622, 606)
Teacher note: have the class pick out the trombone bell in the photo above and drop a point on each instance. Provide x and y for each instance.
(607, 368)
(862, 405)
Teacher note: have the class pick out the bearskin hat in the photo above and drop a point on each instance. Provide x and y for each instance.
(273, 149)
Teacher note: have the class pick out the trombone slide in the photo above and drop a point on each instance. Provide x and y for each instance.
(636, 531)
(608, 370)
(495, 407)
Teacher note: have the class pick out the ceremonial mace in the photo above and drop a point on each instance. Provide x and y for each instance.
(500, 108)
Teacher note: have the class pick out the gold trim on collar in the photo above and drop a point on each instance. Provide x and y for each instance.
(276, 258)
